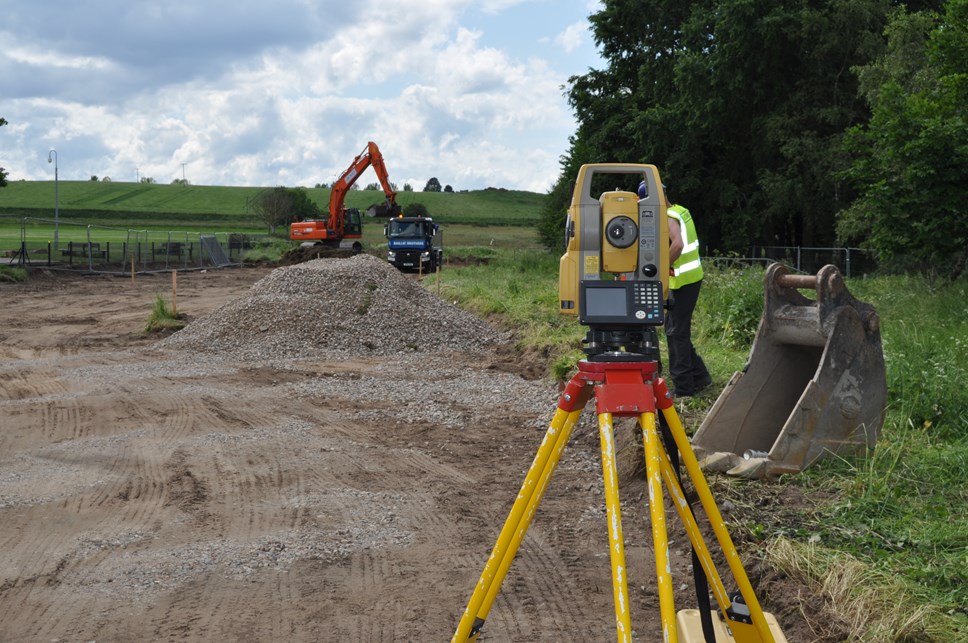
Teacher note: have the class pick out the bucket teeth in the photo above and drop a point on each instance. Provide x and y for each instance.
(719, 462)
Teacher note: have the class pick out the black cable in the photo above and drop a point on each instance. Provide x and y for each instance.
(698, 573)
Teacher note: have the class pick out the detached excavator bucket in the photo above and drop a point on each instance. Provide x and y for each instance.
(814, 383)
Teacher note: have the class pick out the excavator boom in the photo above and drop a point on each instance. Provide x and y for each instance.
(369, 157)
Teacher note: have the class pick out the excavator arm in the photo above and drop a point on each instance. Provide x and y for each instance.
(369, 157)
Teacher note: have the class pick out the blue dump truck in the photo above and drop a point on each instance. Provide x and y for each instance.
(414, 244)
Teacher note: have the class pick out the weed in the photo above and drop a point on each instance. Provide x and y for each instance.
(364, 306)
(163, 318)
(871, 604)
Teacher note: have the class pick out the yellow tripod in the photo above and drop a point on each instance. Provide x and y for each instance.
(630, 388)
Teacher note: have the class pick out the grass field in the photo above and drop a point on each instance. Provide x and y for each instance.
(138, 205)
(107, 212)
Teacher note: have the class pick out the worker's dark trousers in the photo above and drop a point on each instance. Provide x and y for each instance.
(686, 368)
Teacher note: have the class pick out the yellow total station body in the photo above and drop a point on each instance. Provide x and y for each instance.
(615, 235)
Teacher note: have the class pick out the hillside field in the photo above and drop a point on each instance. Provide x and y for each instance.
(127, 204)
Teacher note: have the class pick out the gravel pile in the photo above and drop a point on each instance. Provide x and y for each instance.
(356, 306)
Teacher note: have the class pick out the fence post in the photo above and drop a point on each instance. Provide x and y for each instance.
(90, 251)
(848, 263)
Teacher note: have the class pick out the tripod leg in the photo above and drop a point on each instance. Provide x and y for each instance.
(761, 629)
(616, 543)
(692, 528)
(660, 537)
(516, 524)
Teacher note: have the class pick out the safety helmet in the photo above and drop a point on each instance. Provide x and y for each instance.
(643, 189)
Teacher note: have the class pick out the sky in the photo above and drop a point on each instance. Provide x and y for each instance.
(288, 92)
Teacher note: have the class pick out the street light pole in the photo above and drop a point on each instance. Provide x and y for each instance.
(52, 158)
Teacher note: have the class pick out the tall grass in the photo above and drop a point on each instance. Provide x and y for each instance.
(163, 318)
(897, 520)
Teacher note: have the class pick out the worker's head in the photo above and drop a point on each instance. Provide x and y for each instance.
(644, 190)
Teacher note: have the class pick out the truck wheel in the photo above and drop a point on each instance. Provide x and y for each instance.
(357, 248)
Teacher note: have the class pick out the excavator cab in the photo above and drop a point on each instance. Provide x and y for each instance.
(814, 384)
(353, 223)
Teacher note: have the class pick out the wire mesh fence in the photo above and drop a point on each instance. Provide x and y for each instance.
(852, 262)
(94, 248)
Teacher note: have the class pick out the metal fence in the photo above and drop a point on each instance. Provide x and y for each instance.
(852, 262)
(103, 249)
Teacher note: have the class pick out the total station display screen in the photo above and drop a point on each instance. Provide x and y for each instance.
(607, 301)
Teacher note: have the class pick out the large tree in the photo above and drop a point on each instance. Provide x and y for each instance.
(281, 206)
(741, 103)
(910, 164)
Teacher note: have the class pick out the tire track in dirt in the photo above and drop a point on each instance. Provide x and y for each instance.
(273, 605)
(541, 597)
(377, 623)
(34, 394)
(19, 385)
(129, 476)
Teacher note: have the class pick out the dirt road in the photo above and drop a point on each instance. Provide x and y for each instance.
(166, 495)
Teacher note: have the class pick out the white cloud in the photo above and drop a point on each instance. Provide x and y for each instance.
(572, 38)
(435, 83)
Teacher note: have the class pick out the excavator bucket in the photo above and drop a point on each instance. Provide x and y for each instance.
(814, 384)
(384, 210)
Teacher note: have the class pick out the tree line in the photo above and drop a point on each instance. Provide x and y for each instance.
(787, 122)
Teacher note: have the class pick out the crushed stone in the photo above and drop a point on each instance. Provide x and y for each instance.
(355, 306)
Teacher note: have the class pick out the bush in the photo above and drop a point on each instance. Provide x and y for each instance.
(267, 250)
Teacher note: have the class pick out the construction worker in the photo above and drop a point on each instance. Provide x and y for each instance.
(686, 368)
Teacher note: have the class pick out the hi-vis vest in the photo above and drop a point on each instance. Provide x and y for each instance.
(686, 269)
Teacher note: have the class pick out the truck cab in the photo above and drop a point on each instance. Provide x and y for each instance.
(414, 243)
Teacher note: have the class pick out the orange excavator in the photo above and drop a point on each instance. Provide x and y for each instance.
(343, 228)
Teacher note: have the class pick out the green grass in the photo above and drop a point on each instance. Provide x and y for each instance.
(138, 204)
(897, 519)
(9, 274)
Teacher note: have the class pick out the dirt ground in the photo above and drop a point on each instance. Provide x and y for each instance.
(148, 495)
